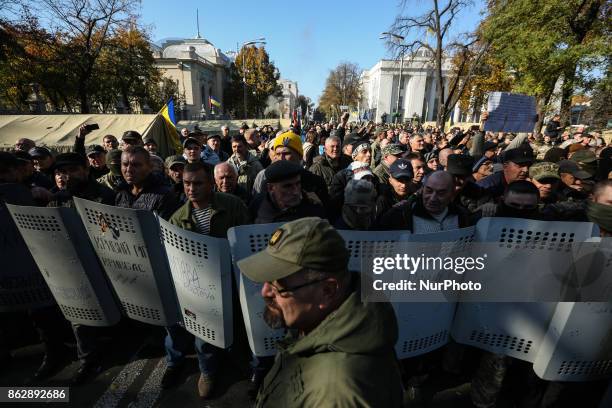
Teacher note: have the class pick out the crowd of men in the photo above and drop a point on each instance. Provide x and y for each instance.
(353, 175)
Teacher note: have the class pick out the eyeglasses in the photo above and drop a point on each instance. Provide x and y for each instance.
(282, 291)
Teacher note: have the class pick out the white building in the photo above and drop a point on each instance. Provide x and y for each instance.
(288, 102)
(201, 71)
(417, 90)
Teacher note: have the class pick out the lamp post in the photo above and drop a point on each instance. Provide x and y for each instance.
(260, 40)
(399, 40)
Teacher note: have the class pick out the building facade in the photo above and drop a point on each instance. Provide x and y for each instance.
(385, 95)
(201, 71)
(287, 103)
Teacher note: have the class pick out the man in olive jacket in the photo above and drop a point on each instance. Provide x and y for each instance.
(209, 213)
(340, 350)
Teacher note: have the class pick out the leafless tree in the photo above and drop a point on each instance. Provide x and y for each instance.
(437, 22)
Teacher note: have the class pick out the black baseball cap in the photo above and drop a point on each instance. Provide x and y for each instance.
(69, 159)
(401, 168)
(95, 149)
(39, 152)
(460, 164)
(571, 167)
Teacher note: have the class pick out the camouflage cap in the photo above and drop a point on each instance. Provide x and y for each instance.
(391, 150)
(305, 243)
(584, 156)
(175, 159)
(544, 170)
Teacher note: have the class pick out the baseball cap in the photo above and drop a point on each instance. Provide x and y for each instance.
(69, 159)
(479, 163)
(191, 140)
(544, 170)
(391, 150)
(149, 140)
(519, 155)
(460, 164)
(401, 168)
(571, 167)
(584, 156)
(305, 243)
(131, 135)
(175, 159)
(39, 152)
(290, 140)
(95, 149)
(282, 170)
(489, 145)
(360, 170)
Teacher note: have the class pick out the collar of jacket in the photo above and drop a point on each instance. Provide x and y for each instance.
(419, 210)
(187, 210)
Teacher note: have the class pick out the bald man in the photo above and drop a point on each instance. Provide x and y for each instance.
(431, 210)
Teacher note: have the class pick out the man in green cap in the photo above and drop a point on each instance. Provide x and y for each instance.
(545, 176)
(339, 351)
(113, 179)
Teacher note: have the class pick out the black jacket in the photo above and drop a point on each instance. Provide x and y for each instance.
(264, 211)
(89, 190)
(156, 196)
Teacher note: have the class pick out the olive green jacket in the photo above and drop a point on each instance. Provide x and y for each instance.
(227, 211)
(348, 360)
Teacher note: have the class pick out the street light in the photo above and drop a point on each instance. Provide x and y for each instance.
(399, 39)
(260, 40)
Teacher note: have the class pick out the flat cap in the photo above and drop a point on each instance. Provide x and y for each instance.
(519, 155)
(460, 164)
(282, 170)
(39, 151)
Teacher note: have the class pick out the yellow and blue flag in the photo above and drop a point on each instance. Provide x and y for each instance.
(214, 102)
(167, 112)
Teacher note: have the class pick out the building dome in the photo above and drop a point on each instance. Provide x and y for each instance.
(202, 47)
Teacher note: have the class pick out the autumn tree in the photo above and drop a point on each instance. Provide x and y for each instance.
(546, 41)
(342, 88)
(261, 79)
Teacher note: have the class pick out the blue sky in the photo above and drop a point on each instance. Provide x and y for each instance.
(304, 39)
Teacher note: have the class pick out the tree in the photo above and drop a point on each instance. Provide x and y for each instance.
(601, 100)
(126, 68)
(547, 41)
(342, 88)
(84, 27)
(492, 75)
(437, 22)
(254, 65)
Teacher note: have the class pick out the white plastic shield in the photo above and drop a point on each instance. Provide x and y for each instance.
(129, 246)
(244, 241)
(516, 329)
(62, 251)
(21, 284)
(578, 343)
(425, 326)
(202, 272)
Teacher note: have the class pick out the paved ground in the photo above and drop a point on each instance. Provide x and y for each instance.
(134, 363)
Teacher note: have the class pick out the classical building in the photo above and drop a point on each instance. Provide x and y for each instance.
(415, 95)
(287, 103)
(201, 71)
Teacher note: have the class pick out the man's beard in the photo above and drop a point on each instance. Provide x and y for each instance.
(273, 317)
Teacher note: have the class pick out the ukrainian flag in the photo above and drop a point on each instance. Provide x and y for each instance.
(167, 112)
(214, 102)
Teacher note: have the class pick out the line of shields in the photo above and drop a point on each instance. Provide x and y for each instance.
(99, 263)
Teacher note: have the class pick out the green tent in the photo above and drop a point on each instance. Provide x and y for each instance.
(58, 132)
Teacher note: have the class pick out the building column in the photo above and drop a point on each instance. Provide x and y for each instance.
(416, 93)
